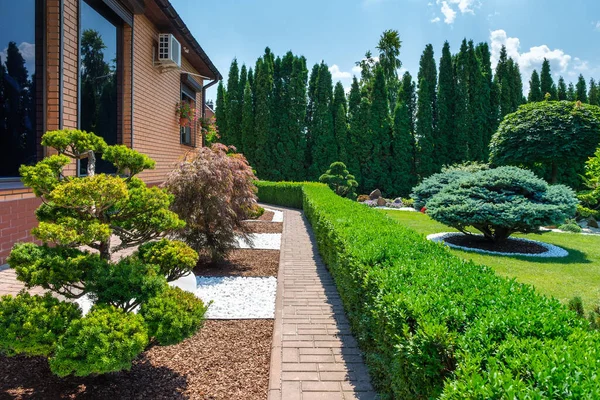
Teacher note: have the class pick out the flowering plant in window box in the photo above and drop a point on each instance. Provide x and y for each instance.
(187, 113)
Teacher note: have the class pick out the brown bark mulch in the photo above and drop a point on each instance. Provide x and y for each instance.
(225, 360)
(242, 262)
(264, 227)
(507, 246)
(267, 216)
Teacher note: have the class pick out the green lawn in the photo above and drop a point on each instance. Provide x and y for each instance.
(564, 278)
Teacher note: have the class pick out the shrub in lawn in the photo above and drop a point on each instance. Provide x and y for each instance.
(91, 211)
(107, 339)
(432, 325)
(173, 316)
(213, 193)
(431, 186)
(339, 180)
(590, 198)
(576, 304)
(31, 325)
(570, 225)
(499, 202)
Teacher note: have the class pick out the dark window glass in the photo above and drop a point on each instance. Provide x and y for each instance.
(99, 69)
(19, 87)
(186, 131)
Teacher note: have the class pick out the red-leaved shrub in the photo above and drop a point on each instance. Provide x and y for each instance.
(214, 192)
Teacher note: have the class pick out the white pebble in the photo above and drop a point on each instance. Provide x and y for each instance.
(261, 241)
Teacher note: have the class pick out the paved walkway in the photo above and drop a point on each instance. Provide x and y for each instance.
(314, 355)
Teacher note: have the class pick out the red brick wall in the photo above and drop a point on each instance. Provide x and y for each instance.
(16, 220)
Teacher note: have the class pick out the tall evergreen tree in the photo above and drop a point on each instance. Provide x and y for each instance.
(340, 121)
(380, 137)
(297, 120)
(535, 90)
(408, 96)
(221, 112)
(234, 106)
(517, 97)
(502, 80)
(389, 52)
(488, 93)
(581, 90)
(463, 118)
(322, 145)
(402, 173)
(562, 89)
(426, 113)
(247, 139)
(263, 96)
(594, 93)
(478, 97)
(446, 137)
(546, 81)
(571, 96)
(357, 132)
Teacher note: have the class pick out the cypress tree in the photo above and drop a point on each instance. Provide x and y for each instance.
(278, 133)
(594, 93)
(263, 96)
(463, 118)
(535, 90)
(408, 96)
(247, 139)
(340, 122)
(243, 80)
(488, 94)
(356, 133)
(426, 113)
(242, 87)
(221, 112)
(581, 90)
(297, 120)
(323, 146)
(517, 97)
(403, 177)
(502, 82)
(234, 106)
(377, 174)
(546, 81)
(477, 100)
(446, 137)
(389, 51)
(571, 96)
(562, 89)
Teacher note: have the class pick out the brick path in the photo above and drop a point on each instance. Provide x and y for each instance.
(314, 355)
(10, 285)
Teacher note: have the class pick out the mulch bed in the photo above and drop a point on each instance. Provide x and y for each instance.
(242, 262)
(508, 246)
(264, 226)
(267, 216)
(225, 360)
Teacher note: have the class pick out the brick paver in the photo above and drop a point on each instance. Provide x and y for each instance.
(314, 354)
(10, 285)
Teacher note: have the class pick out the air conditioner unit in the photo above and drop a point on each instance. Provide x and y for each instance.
(169, 50)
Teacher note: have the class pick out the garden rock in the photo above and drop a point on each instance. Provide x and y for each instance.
(398, 200)
(381, 202)
(375, 194)
(592, 223)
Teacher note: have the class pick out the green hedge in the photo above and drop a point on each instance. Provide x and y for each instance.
(288, 194)
(433, 325)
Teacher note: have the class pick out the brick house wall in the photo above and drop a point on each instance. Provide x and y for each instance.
(151, 116)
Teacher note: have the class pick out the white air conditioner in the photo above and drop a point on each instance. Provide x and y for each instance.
(169, 50)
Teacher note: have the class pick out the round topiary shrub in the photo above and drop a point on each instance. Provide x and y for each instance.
(175, 258)
(31, 325)
(173, 315)
(502, 201)
(107, 339)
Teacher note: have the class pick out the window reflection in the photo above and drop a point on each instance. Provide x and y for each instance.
(18, 85)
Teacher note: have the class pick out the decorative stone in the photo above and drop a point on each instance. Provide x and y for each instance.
(381, 202)
(375, 194)
(592, 223)
(398, 200)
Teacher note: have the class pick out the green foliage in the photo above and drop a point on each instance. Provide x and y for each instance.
(173, 316)
(448, 137)
(570, 225)
(558, 134)
(535, 91)
(546, 82)
(127, 161)
(221, 110)
(262, 159)
(73, 143)
(288, 194)
(499, 202)
(234, 107)
(403, 144)
(45, 175)
(590, 198)
(106, 340)
(576, 305)
(581, 90)
(174, 258)
(339, 180)
(30, 325)
(255, 212)
(431, 324)
(426, 113)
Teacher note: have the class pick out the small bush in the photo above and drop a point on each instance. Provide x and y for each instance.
(287, 194)
(590, 198)
(576, 304)
(107, 339)
(570, 225)
(339, 180)
(173, 316)
(255, 212)
(31, 325)
(213, 192)
(174, 258)
(499, 202)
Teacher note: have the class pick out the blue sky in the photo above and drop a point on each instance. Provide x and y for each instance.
(567, 32)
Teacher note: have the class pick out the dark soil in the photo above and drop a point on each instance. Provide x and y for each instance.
(242, 262)
(264, 227)
(507, 246)
(267, 216)
(225, 360)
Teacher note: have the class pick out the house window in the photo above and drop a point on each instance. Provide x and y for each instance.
(20, 85)
(187, 132)
(99, 75)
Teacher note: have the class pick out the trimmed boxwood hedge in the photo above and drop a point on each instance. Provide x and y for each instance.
(433, 325)
(288, 194)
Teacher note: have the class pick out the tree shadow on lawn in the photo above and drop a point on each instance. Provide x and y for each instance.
(30, 378)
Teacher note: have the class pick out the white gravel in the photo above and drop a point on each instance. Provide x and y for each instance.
(262, 241)
(278, 215)
(397, 209)
(238, 297)
(552, 250)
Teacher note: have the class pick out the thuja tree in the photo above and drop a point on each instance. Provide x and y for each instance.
(556, 134)
(83, 221)
(590, 198)
(340, 180)
(502, 201)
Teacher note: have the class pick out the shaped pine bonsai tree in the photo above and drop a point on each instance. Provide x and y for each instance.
(339, 180)
(83, 221)
(502, 201)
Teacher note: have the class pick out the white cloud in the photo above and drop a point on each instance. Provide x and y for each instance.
(449, 13)
(356, 69)
(336, 73)
(597, 25)
(435, 20)
(560, 62)
(27, 51)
